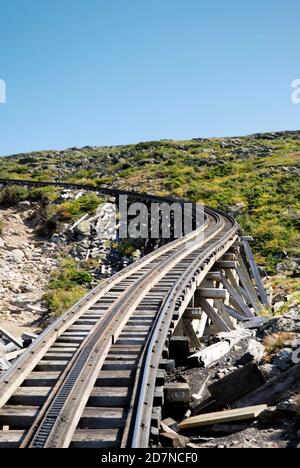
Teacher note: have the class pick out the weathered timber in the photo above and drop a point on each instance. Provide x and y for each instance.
(179, 347)
(255, 352)
(235, 298)
(215, 352)
(11, 338)
(255, 323)
(179, 393)
(254, 268)
(243, 414)
(283, 387)
(237, 384)
(213, 315)
(173, 440)
(213, 293)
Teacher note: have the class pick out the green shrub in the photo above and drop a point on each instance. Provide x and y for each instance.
(86, 204)
(44, 195)
(69, 284)
(11, 195)
(60, 300)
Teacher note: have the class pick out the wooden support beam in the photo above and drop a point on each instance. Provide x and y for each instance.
(229, 257)
(16, 341)
(222, 417)
(193, 313)
(213, 293)
(214, 276)
(221, 308)
(189, 332)
(213, 315)
(233, 313)
(254, 269)
(224, 265)
(246, 282)
(235, 298)
(237, 287)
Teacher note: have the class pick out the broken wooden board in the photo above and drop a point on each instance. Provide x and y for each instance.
(173, 440)
(255, 352)
(212, 354)
(237, 384)
(243, 414)
(281, 388)
(255, 323)
(11, 338)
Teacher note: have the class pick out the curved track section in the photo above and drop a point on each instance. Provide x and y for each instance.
(89, 380)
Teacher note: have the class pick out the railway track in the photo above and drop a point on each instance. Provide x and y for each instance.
(93, 377)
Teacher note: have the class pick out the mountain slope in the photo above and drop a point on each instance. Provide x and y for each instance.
(256, 178)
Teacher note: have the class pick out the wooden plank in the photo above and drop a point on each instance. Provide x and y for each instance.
(221, 308)
(30, 396)
(20, 417)
(233, 313)
(189, 331)
(254, 268)
(215, 352)
(11, 338)
(247, 285)
(226, 265)
(255, 323)
(213, 293)
(235, 298)
(241, 291)
(243, 414)
(97, 438)
(11, 439)
(283, 387)
(14, 355)
(173, 440)
(103, 418)
(213, 315)
(237, 384)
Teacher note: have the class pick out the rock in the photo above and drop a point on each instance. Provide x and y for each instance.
(289, 406)
(287, 323)
(84, 229)
(283, 359)
(290, 267)
(17, 255)
(24, 206)
(270, 371)
(278, 306)
(237, 209)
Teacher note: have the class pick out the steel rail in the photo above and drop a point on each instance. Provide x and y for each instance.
(70, 394)
(159, 334)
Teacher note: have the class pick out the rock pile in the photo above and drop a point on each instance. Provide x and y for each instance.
(26, 266)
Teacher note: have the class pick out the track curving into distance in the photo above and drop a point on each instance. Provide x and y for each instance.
(90, 379)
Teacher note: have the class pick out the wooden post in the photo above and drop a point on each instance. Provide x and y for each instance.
(254, 269)
(235, 298)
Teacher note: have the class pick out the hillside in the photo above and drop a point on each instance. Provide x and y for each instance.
(256, 178)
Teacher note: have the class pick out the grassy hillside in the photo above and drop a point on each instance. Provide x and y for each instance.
(255, 178)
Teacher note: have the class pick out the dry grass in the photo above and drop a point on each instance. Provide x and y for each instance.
(274, 343)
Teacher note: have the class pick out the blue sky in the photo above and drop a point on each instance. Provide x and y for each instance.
(95, 72)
